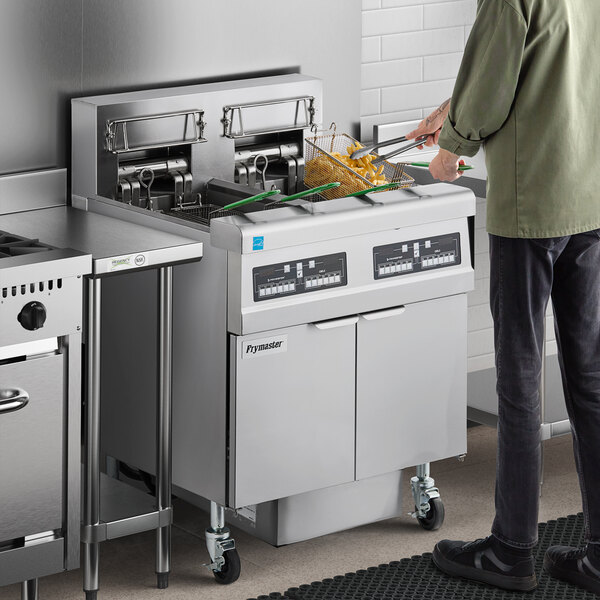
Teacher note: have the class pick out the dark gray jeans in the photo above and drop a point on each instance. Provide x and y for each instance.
(525, 274)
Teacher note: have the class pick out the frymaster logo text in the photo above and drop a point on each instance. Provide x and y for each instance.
(262, 347)
(255, 348)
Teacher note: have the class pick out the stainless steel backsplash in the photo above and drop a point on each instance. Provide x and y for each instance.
(53, 51)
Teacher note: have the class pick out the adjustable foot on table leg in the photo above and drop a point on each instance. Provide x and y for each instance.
(91, 594)
(162, 581)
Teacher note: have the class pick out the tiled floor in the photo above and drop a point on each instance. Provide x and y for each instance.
(127, 565)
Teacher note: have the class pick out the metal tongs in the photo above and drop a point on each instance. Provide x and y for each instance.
(368, 149)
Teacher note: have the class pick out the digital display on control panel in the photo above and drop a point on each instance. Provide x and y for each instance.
(416, 256)
(299, 276)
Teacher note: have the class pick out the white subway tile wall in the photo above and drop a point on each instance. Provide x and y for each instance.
(411, 51)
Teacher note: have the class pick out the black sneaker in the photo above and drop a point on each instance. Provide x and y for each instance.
(487, 561)
(574, 565)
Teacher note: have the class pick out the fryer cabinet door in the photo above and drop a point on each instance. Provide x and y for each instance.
(292, 413)
(411, 385)
(31, 447)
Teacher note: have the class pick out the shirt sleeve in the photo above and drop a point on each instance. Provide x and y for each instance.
(487, 79)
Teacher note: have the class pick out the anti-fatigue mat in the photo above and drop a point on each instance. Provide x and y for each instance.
(416, 578)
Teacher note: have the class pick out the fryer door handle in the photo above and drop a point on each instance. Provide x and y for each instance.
(13, 399)
(384, 314)
(333, 323)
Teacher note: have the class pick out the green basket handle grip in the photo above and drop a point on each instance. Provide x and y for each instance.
(316, 190)
(255, 198)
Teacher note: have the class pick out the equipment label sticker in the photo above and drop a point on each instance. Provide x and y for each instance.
(258, 242)
(121, 263)
(272, 345)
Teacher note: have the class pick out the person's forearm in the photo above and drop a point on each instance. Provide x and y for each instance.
(442, 110)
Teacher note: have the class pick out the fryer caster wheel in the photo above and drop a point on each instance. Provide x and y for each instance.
(435, 515)
(230, 571)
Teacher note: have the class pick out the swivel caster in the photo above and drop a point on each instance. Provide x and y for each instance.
(435, 515)
(230, 571)
(224, 558)
(429, 508)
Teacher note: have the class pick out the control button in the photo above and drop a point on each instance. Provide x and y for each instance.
(446, 258)
(409, 266)
(337, 279)
(451, 258)
(32, 316)
(428, 244)
(416, 246)
(311, 264)
(425, 262)
(416, 253)
(299, 269)
(394, 268)
(280, 289)
(320, 280)
(404, 266)
(404, 247)
(286, 268)
(308, 283)
(261, 292)
(436, 261)
(267, 291)
(286, 288)
(292, 287)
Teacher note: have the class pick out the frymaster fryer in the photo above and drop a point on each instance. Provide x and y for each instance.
(311, 339)
(41, 318)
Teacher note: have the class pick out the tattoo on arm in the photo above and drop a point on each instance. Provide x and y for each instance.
(433, 116)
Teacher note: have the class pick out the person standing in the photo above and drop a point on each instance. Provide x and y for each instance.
(527, 90)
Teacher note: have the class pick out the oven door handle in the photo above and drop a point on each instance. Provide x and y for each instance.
(13, 399)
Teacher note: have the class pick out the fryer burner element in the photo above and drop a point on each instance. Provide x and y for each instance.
(13, 245)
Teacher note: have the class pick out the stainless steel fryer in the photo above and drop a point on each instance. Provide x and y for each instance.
(305, 339)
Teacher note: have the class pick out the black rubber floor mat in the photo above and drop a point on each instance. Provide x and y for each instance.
(417, 578)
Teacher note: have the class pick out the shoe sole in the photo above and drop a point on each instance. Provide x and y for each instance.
(506, 582)
(575, 577)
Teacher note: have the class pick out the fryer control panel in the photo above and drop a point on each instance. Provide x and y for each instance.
(299, 276)
(414, 256)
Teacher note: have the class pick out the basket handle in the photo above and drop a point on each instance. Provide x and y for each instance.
(255, 198)
(377, 188)
(316, 190)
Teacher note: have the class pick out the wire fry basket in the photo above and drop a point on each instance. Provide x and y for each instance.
(322, 167)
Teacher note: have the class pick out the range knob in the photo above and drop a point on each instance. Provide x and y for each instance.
(32, 316)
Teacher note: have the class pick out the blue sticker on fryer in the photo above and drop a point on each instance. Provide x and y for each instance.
(258, 242)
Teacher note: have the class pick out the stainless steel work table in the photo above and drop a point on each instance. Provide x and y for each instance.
(117, 247)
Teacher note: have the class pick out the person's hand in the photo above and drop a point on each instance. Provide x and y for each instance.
(445, 166)
(431, 126)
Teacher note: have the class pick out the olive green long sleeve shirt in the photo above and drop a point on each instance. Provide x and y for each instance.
(528, 89)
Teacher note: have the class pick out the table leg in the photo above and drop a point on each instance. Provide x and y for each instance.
(163, 457)
(29, 589)
(91, 468)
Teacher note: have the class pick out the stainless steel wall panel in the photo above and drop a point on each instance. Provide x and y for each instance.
(40, 69)
(128, 45)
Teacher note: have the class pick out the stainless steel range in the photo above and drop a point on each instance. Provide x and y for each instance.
(319, 348)
(40, 407)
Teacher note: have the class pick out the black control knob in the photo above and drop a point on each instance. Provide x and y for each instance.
(32, 316)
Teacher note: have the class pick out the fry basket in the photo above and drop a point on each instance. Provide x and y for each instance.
(323, 167)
